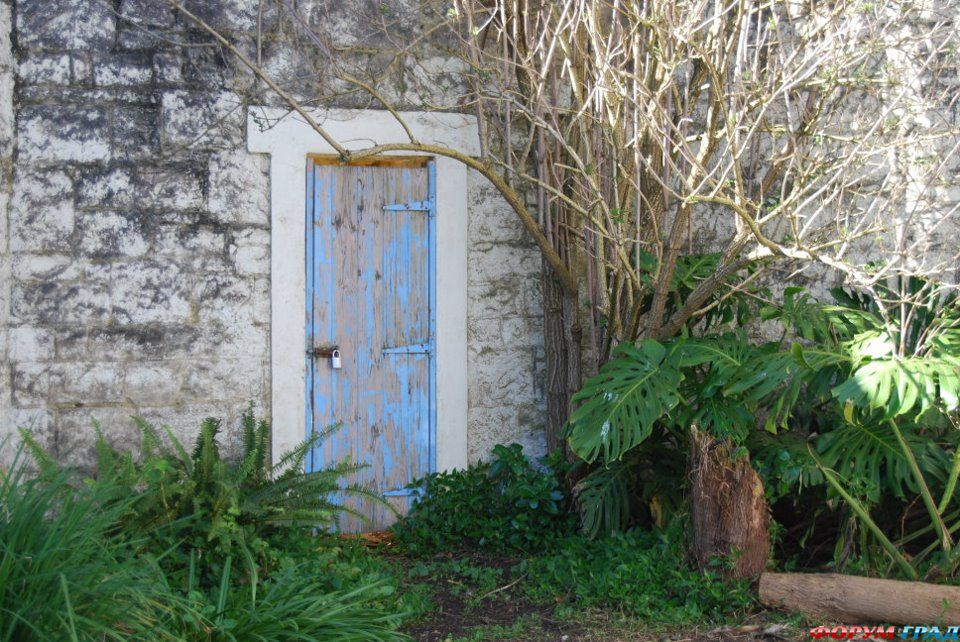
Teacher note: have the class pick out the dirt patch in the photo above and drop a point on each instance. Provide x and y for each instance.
(461, 608)
(465, 606)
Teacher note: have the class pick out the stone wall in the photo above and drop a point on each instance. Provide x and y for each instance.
(504, 330)
(135, 249)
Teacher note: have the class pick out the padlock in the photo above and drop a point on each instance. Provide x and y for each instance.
(335, 360)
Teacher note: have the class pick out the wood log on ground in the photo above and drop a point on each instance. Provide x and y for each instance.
(728, 511)
(849, 599)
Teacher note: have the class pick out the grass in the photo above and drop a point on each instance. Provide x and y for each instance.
(64, 571)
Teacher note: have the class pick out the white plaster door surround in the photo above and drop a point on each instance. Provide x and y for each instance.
(288, 139)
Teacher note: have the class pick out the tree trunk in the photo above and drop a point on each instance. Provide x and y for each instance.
(728, 510)
(561, 337)
(570, 354)
(861, 600)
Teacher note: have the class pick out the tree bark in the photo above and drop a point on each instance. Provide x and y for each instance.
(561, 337)
(861, 600)
(728, 510)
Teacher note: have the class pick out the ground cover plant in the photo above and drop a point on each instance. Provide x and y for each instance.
(492, 556)
(508, 503)
(185, 545)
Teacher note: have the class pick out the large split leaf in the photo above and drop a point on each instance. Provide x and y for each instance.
(868, 457)
(897, 386)
(619, 406)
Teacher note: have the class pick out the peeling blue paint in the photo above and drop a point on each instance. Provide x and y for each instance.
(392, 285)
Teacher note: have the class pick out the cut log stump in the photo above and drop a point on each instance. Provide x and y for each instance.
(728, 511)
(849, 599)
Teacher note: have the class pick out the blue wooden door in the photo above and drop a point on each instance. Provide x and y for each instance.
(370, 282)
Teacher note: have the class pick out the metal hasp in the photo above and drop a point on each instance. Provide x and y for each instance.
(323, 351)
(417, 348)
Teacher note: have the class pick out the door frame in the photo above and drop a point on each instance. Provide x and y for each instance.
(427, 163)
(289, 139)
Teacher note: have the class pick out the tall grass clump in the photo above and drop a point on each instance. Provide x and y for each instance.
(66, 571)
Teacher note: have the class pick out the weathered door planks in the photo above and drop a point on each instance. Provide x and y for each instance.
(370, 283)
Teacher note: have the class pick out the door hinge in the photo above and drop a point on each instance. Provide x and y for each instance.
(416, 348)
(412, 206)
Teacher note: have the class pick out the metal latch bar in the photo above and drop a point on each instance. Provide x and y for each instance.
(412, 206)
(416, 348)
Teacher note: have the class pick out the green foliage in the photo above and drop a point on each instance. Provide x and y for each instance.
(619, 406)
(65, 573)
(508, 503)
(642, 573)
(606, 495)
(874, 381)
(643, 484)
(869, 457)
(187, 546)
(293, 604)
(199, 502)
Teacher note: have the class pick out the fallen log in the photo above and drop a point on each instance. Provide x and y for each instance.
(848, 599)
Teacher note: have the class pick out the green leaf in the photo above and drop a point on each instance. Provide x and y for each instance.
(869, 457)
(619, 406)
(604, 498)
(897, 386)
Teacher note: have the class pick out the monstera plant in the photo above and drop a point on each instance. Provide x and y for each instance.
(886, 365)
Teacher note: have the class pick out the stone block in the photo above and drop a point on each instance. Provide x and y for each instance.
(239, 188)
(498, 377)
(104, 235)
(27, 343)
(488, 427)
(46, 229)
(202, 120)
(250, 251)
(122, 69)
(76, 437)
(6, 117)
(235, 337)
(507, 296)
(6, 46)
(224, 378)
(167, 68)
(152, 383)
(45, 267)
(86, 383)
(81, 69)
(39, 421)
(71, 24)
(44, 70)
(41, 211)
(30, 384)
(86, 134)
(145, 291)
(141, 187)
(131, 342)
(498, 261)
(146, 24)
(224, 15)
(147, 13)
